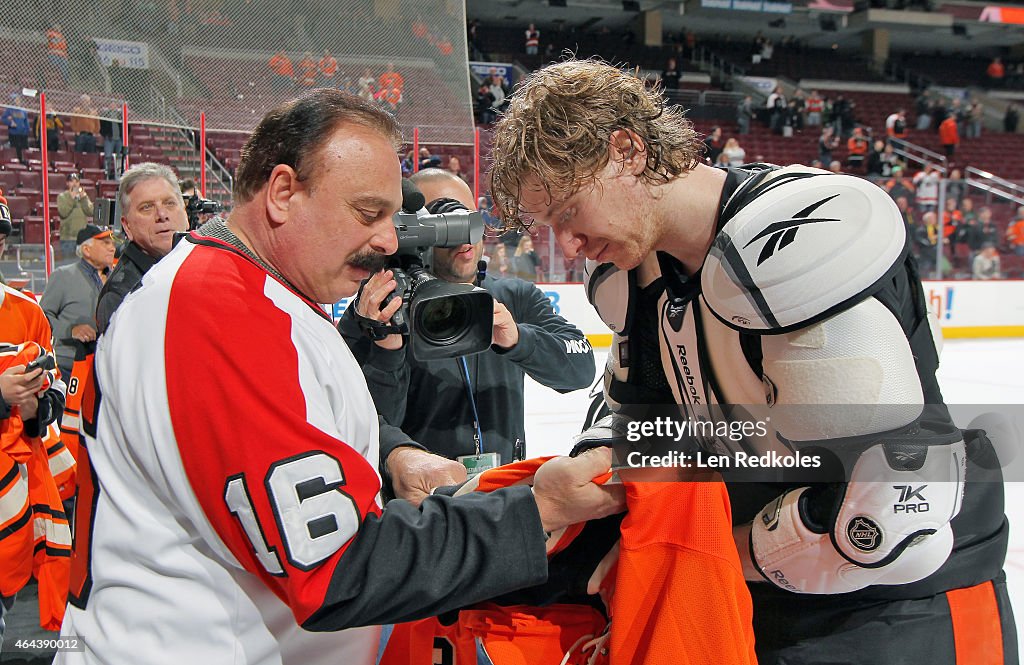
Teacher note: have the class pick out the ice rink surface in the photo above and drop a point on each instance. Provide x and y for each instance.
(970, 372)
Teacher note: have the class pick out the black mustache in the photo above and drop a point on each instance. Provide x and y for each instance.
(371, 261)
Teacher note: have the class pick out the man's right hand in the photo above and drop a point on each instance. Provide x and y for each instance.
(18, 388)
(566, 494)
(373, 294)
(416, 472)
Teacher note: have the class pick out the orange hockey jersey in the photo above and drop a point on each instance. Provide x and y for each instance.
(673, 588)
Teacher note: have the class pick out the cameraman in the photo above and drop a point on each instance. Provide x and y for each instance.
(471, 405)
(152, 211)
(197, 208)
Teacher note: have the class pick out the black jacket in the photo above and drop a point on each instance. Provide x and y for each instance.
(429, 400)
(132, 265)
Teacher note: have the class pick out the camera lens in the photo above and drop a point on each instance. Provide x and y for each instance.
(444, 319)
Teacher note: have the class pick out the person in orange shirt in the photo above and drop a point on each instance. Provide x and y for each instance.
(57, 52)
(996, 72)
(857, 146)
(328, 68)
(1015, 233)
(949, 136)
(391, 86)
(31, 400)
(284, 73)
(307, 71)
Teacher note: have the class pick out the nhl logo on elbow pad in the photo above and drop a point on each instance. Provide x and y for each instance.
(864, 534)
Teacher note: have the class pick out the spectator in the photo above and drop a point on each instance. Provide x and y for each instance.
(734, 152)
(391, 87)
(857, 149)
(499, 91)
(876, 167)
(835, 166)
(409, 165)
(744, 114)
(54, 127)
(307, 73)
(152, 211)
(282, 72)
(455, 168)
(328, 67)
(532, 40)
(906, 212)
(956, 186)
(500, 264)
(815, 106)
(1015, 233)
(529, 338)
(896, 125)
(113, 144)
(485, 104)
(986, 264)
(925, 239)
(899, 187)
(527, 265)
(949, 136)
(952, 226)
(926, 182)
(6, 228)
(367, 85)
(989, 231)
(671, 75)
(251, 567)
(923, 107)
(75, 209)
(775, 106)
(971, 234)
(713, 145)
(70, 297)
(427, 160)
(85, 123)
(995, 72)
(1011, 118)
(57, 53)
(827, 142)
(975, 119)
(16, 120)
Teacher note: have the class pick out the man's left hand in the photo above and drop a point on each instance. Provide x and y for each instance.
(506, 330)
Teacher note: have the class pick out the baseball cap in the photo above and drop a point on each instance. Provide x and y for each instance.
(91, 231)
(5, 217)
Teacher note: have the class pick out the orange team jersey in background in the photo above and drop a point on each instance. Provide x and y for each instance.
(328, 66)
(391, 80)
(1015, 233)
(56, 44)
(282, 65)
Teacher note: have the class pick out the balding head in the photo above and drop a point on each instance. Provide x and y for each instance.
(442, 184)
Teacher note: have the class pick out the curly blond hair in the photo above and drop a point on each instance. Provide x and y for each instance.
(559, 123)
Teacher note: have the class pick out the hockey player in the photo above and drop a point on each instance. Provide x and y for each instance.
(776, 287)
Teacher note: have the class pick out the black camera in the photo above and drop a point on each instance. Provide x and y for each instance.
(441, 319)
(196, 206)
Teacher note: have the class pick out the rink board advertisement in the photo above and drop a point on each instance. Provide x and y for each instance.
(963, 308)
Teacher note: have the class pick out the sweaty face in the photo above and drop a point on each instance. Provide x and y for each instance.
(338, 229)
(453, 264)
(609, 221)
(155, 213)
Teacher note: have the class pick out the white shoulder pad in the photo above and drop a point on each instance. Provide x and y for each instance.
(610, 291)
(800, 246)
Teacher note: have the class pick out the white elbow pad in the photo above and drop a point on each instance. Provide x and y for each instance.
(888, 525)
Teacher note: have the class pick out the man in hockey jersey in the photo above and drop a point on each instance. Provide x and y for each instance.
(776, 287)
(239, 526)
(433, 401)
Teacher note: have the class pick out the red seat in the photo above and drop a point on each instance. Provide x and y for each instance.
(20, 206)
(8, 181)
(89, 160)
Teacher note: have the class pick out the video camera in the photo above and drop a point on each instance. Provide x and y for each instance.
(196, 206)
(441, 319)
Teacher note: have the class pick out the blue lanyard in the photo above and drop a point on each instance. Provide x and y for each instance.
(479, 436)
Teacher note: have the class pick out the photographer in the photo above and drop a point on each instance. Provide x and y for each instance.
(75, 209)
(470, 406)
(198, 209)
(152, 211)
